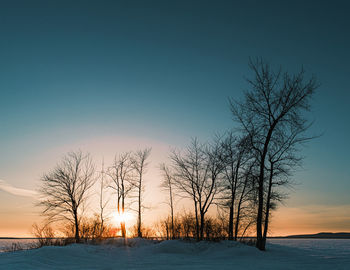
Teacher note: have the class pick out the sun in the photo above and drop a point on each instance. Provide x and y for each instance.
(118, 218)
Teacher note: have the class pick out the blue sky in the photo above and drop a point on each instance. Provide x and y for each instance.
(73, 72)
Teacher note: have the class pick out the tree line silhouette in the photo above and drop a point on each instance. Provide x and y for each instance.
(242, 173)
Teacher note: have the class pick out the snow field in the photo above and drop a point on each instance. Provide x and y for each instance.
(173, 254)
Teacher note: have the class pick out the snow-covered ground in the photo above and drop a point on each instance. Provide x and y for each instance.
(335, 249)
(146, 254)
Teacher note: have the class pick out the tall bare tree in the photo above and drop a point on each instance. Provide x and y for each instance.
(102, 202)
(235, 154)
(196, 177)
(168, 185)
(245, 199)
(122, 182)
(64, 189)
(139, 163)
(281, 159)
(274, 105)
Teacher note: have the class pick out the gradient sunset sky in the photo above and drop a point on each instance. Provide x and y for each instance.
(113, 76)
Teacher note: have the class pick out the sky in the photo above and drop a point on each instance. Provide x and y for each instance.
(113, 76)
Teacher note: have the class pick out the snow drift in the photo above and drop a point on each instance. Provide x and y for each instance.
(174, 254)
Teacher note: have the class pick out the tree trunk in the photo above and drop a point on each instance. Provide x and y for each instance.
(202, 226)
(167, 229)
(237, 224)
(139, 231)
(230, 223)
(197, 222)
(172, 212)
(268, 200)
(172, 225)
(76, 223)
(260, 243)
(238, 215)
(122, 223)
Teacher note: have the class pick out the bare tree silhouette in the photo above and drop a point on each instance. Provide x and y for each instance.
(235, 155)
(272, 110)
(122, 182)
(168, 185)
(139, 163)
(64, 189)
(196, 174)
(102, 202)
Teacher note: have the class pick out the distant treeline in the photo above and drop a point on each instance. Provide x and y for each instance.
(325, 235)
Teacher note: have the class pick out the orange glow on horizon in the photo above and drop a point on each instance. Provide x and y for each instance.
(310, 220)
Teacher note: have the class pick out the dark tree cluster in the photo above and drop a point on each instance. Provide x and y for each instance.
(243, 173)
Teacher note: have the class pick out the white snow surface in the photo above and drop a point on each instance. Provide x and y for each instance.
(173, 254)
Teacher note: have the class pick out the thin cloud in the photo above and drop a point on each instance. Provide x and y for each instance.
(4, 186)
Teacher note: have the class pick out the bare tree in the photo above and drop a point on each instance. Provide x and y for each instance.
(121, 174)
(168, 185)
(102, 203)
(246, 200)
(235, 154)
(64, 189)
(196, 177)
(275, 105)
(282, 158)
(139, 163)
